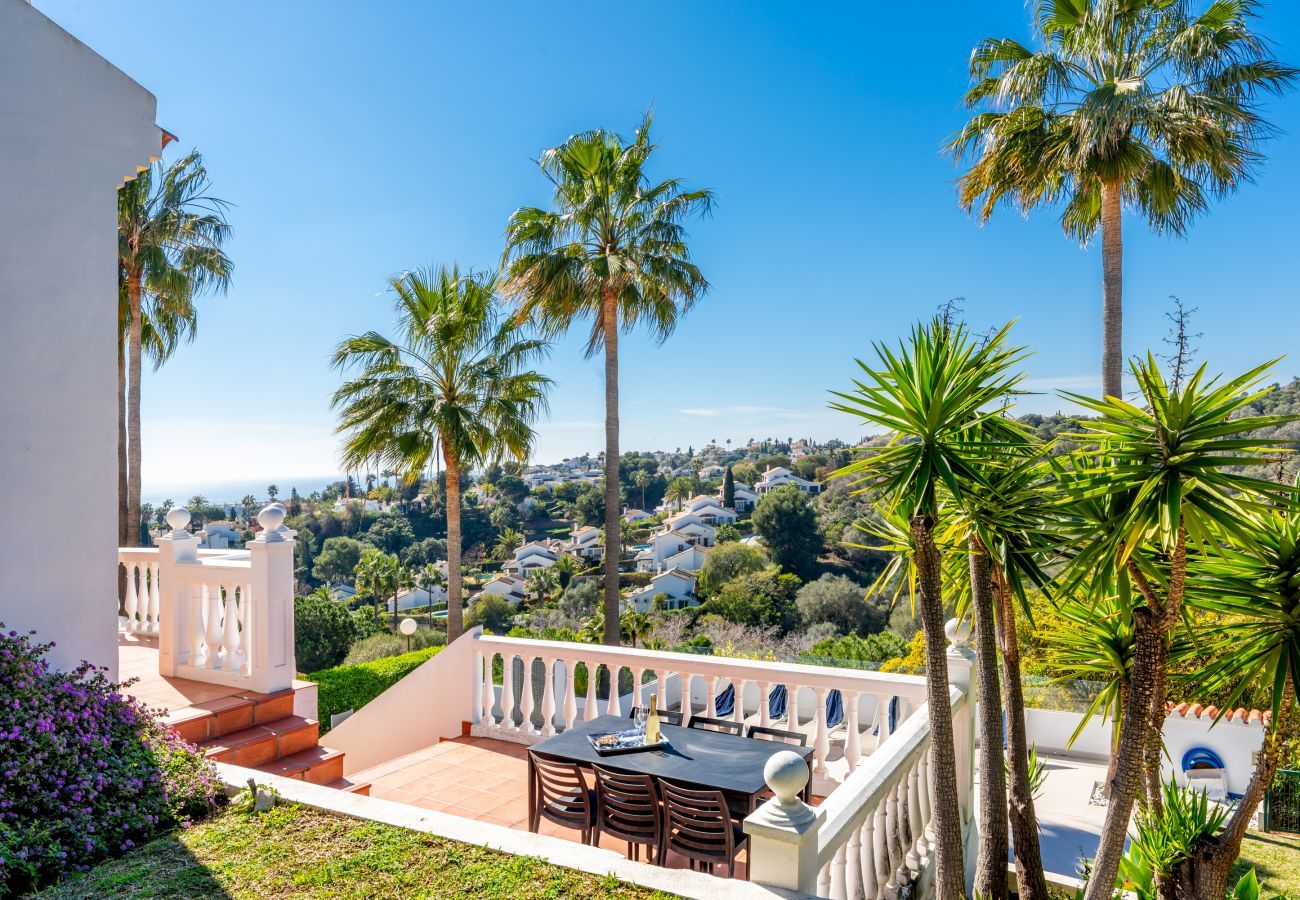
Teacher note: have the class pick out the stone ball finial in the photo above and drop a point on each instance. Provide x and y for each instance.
(177, 518)
(957, 631)
(786, 773)
(271, 518)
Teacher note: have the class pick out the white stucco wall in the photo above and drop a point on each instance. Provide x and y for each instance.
(71, 128)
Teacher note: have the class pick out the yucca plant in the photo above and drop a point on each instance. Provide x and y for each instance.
(1254, 585)
(933, 394)
(1159, 481)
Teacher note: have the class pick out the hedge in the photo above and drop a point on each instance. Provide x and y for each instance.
(352, 687)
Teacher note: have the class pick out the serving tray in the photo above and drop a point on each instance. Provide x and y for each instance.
(624, 746)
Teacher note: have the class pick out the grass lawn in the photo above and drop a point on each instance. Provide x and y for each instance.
(295, 852)
(1276, 860)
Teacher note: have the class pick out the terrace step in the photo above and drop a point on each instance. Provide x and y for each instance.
(349, 786)
(262, 744)
(226, 715)
(315, 765)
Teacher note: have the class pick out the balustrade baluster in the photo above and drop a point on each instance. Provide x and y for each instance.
(131, 604)
(212, 635)
(613, 705)
(589, 710)
(638, 691)
(230, 629)
(868, 854)
(852, 741)
(711, 704)
(764, 692)
(507, 691)
(738, 710)
(548, 696)
(838, 890)
(155, 599)
(881, 849)
(526, 696)
(893, 851)
(824, 881)
(914, 820)
(853, 864)
(792, 706)
(822, 740)
(570, 693)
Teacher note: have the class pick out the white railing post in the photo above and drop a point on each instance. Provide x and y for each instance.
(177, 547)
(961, 659)
(783, 831)
(272, 662)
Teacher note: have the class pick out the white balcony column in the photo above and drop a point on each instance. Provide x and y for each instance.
(961, 662)
(764, 703)
(154, 599)
(589, 710)
(176, 616)
(272, 663)
(853, 740)
(548, 696)
(783, 831)
(507, 692)
(570, 694)
(526, 696)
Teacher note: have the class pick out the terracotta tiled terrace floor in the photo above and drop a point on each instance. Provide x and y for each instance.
(476, 778)
(137, 657)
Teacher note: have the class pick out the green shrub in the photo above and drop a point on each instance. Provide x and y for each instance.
(352, 687)
(323, 630)
(386, 644)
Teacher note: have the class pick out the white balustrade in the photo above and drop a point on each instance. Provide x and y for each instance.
(224, 617)
(140, 605)
(872, 837)
(552, 698)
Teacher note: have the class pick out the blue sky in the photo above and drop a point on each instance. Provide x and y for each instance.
(358, 140)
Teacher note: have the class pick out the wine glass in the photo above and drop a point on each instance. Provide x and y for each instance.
(642, 715)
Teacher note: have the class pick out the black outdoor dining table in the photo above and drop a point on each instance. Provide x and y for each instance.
(708, 759)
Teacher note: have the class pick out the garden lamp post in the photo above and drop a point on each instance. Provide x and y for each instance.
(407, 628)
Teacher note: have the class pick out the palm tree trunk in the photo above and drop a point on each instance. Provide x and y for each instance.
(1031, 884)
(950, 870)
(122, 489)
(991, 862)
(133, 415)
(1205, 873)
(1129, 756)
(455, 610)
(613, 550)
(1112, 290)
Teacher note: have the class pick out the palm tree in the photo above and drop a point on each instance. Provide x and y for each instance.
(540, 583)
(249, 503)
(642, 480)
(1169, 475)
(456, 380)
(680, 489)
(380, 575)
(272, 491)
(508, 541)
(1141, 102)
(170, 238)
(637, 626)
(612, 251)
(930, 395)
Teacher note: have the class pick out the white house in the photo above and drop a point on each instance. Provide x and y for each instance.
(696, 531)
(508, 587)
(220, 535)
(366, 504)
(529, 558)
(710, 511)
(74, 129)
(662, 545)
(691, 559)
(586, 543)
(419, 597)
(745, 497)
(636, 515)
(779, 476)
(677, 584)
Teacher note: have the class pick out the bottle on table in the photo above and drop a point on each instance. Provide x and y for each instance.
(652, 722)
